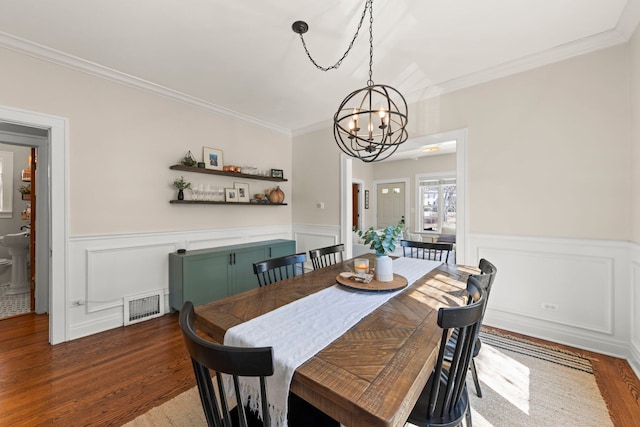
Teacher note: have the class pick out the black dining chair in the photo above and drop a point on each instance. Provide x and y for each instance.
(276, 269)
(324, 257)
(444, 401)
(426, 250)
(207, 356)
(221, 409)
(485, 280)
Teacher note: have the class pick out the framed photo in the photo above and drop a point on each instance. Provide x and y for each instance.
(243, 191)
(277, 173)
(231, 195)
(366, 199)
(212, 158)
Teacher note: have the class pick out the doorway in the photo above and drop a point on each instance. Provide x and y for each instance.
(17, 222)
(51, 245)
(346, 179)
(25, 267)
(355, 211)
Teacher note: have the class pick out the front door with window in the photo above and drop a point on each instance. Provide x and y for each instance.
(390, 203)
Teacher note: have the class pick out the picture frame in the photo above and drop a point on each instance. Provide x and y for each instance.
(212, 158)
(277, 173)
(230, 195)
(243, 192)
(366, 199)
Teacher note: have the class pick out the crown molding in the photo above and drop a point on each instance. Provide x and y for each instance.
(621, 34)
(629, 19)
(623, 31)
(559, 53)
(57, 57)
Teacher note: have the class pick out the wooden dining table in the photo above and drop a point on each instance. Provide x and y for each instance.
(373, 374)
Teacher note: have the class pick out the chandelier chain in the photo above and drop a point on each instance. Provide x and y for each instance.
(368, 6)
(370, 82)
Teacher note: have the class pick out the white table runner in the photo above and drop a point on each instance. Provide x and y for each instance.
(299, 330)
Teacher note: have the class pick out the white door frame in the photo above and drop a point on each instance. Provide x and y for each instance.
(57, 203)
(460, 136)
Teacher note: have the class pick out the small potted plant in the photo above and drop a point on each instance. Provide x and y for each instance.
(25, 190)
(181, 185)
(383, 242)
(188, 160)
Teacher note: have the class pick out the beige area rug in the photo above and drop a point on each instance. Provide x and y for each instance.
(183, 410)
(526, 384)
(523, 384)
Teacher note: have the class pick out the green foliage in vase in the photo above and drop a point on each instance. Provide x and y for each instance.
(25, 189)
(181, 184)
(382, 241)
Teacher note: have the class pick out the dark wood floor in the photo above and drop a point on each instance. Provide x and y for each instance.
(110, 378)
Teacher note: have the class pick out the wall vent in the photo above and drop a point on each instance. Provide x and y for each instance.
(138, 308)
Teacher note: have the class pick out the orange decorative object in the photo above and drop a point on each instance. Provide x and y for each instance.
(276, 196)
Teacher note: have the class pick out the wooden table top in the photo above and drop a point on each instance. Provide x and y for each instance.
(373, 374)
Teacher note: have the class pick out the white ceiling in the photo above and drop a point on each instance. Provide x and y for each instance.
(241, 57)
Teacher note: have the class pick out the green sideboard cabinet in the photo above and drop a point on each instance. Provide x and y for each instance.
(205, 275)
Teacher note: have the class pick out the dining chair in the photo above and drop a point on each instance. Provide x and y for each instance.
(444, 401)
(485, 280)
(276, 269)
(449, 238)
(324, 257)
(426, 250)
(207, 356)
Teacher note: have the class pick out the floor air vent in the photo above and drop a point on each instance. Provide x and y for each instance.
(142, 307)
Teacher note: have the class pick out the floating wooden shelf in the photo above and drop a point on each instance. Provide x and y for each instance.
(207, 202)
(225, 173)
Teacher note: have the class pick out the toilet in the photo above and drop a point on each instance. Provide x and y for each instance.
(5, 271)
(18, 246)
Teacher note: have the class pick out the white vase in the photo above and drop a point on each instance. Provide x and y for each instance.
(384, 269)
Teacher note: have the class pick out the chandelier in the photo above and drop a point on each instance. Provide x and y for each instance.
(371, 122)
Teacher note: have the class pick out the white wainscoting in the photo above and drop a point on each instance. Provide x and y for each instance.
(634, 299)
(105, 269)
(571, 291)
(310, 237)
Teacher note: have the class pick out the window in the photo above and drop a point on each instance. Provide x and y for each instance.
(437, 201)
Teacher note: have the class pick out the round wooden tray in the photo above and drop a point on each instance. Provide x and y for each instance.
(398, 282)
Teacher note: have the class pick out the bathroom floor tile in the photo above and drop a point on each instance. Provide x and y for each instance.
(11, 305)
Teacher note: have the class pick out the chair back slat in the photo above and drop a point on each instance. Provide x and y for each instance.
(207, 356)
(448, 385)
(426, 250)
(277, 269)
(324, 257)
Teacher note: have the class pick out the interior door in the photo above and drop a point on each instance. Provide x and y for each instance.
(390, 203)
(355, 207)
